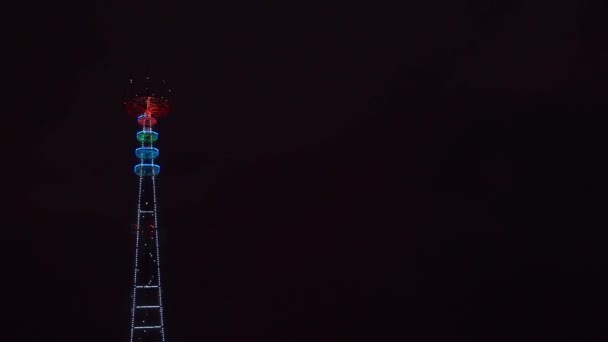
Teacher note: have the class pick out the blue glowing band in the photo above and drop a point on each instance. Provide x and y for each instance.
(146, 169)
(146, 153)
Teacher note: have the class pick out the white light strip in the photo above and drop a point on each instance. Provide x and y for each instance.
(146, 286)
(160, 295)
(149, 327)
(147, 307)
(136, 262)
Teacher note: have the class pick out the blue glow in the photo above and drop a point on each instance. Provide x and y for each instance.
(146, 152)
(146, 169)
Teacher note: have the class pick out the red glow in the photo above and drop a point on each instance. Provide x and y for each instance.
(145, 228)
(146, 120)
(151, 106)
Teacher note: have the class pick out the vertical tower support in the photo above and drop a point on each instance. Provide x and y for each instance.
(147, 321)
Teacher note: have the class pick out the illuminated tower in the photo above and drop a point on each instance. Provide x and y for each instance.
(147, 324)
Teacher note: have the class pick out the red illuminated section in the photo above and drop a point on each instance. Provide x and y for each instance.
(149, 106)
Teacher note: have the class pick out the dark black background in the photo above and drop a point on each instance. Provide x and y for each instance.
(336, 172)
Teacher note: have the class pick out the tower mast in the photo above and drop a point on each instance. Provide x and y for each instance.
(147, 321)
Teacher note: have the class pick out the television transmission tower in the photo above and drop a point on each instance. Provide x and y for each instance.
(147, 321)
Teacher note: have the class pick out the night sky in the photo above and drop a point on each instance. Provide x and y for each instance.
(336, 172)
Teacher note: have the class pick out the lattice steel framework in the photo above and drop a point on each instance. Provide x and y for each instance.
(147, 321)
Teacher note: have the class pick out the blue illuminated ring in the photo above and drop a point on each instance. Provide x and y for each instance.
(146, 152)
(146, 169)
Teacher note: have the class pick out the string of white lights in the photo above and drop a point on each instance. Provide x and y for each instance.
(149, 327)
(136, 260)
(160, 296)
